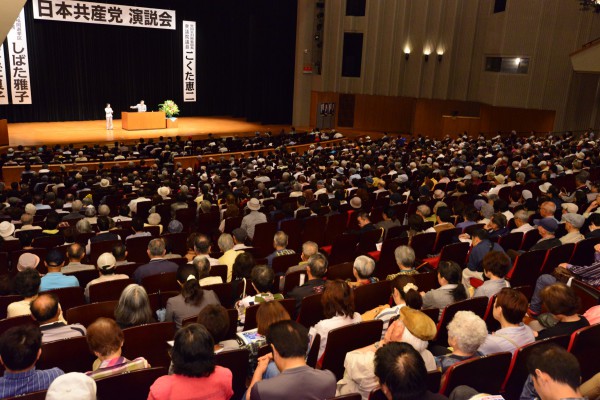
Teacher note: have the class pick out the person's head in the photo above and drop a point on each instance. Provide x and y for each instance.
(550, 367)
(444, 215)
(269, 313)
(26, 219)
(243, 264)
(496, 264)
(510, 305)
(137, 223)
(103, 223)
(27, 283)
(187, 276)
(202, 244)
(478, 236)
(337, 299)
(20, 347)
(450, 272)
(45, 308)
(119, 251)
(364, 267)
(104, 337)
(466, 332)
(521, 218)
(317, 265)
(405, 257)
(573, 221)
(405, 291)
(54, 260)
(288, 339)
(134, 307)
(75, 252)
(498, 221)
(216, 320)
(415, 222)
(225, 242)
(594, 220)
(401, 371)
(547, 209)
(156, 248)
(239, 236)
(202, 265)
(262, 278)
(423, 210)
(560, 299)
(363, 218)
(311, 248)
(193, 352)
(280, 240)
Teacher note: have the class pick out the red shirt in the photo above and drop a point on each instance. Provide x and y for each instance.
(217, 386)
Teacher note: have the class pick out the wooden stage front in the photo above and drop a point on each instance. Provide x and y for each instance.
(87, 132)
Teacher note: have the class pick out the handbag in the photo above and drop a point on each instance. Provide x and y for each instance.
(562, 274)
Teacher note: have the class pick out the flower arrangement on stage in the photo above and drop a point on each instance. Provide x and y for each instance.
(169, 107)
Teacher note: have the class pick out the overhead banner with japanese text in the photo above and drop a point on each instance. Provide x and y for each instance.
(100, 13)
(18, 60)
(189, 61)
(3, 87)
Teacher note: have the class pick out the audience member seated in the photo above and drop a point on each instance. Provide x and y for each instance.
(390, 220)
(225, 243)
(573, 223)
(316, 269)
(280, 242)
(262, 281)
(546, 227)
(496, 228)
(338, 309)
(594, 225)
(451, 289)
(481, 245)
(495, 267)
(75, 254)
(202, 265)
(137, 226)
(404, 293)
(105, 340)
(157, 265)
(154, 219)
(405, 259)
(413, 327)
(20, 348)
(27, 285)
(522, 224)
(7, 230)
(119, 251)
(253, 218)
(103, 235)
(55, 279)
(216, 320)
(402, 373)
(27, 224)
(364, 267)
(202, 247)
(107, 266)
(466, 333)
(240, 238)
(562, 303)
(133, 308)
(289, 344)
(194, 369)
(509, 310)
(308, 249)
(192, 298)
(46, 311)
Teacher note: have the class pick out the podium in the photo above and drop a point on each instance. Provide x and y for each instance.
(133, 121)
(3, 132)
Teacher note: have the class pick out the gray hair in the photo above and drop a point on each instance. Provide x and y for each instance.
(487, 210)
(424, 210)
(205, 206)
(364, 266)
(280, 239)
(549, 206)
(309, 249)
(225, 242)
(202, 265)
(405, 256)
(469, 331)
(104, 210)
(318, 265)
(522, 215)
(134, 307)
(520, 175)
(90, 211)
(83, 226)
(156, 247)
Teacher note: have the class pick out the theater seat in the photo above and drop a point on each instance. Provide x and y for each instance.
(484, 374)
(137, 384)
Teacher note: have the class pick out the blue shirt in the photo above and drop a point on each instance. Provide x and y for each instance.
(475, 262)
(57, 280)
(18, 383)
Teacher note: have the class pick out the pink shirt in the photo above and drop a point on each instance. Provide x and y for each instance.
(218, 386)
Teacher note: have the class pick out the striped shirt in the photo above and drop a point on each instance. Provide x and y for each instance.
(33, 380)
(117, 366)
(589, 274)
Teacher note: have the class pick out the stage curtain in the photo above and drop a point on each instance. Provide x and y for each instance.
(245, 63)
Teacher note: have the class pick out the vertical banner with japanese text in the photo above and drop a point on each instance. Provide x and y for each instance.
(3, 87)
(189, 61)
(19, 62)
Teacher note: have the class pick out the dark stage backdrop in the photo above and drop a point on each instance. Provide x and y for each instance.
(245, 63)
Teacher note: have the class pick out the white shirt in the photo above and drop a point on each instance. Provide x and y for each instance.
(324, 326)
(108, 111)
(523, 228)
(140, 107)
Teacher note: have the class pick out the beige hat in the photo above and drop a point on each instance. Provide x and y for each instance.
(72, 386)
(27, 261)
(356, 202)
(500, 179)
(418, 323)
(6, 229)
(163, 191)
(253, 204)
(570, 207)
(106, 261)
(104, 183)
(438, 194)
(154, 219)
(544, 187)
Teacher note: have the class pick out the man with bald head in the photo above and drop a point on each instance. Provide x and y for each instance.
(46, 311)
(75, 254)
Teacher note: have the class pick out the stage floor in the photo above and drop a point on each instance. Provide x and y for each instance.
(82, 132)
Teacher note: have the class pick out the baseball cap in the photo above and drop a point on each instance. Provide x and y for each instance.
(549, 224)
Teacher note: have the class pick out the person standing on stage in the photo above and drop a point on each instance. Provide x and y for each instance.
(141, 107)
(109, 116)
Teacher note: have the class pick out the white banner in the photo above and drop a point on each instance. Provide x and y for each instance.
(189, 61)
(19, 62)
(3, 87)
(101, 13)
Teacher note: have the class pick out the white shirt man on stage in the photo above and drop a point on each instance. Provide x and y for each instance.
(141, 107)
(109, 116)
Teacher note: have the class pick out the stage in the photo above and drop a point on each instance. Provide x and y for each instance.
(90, 132)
